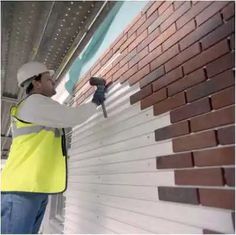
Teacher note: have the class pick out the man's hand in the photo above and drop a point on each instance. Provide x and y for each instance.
(99, 95)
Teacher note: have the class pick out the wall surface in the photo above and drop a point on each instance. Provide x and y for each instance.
(163, 160)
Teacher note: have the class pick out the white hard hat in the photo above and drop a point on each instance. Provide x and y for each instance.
(29, 70)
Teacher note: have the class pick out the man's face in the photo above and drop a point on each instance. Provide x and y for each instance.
(47, 85)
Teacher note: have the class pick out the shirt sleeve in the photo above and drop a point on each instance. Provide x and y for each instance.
(47, 112)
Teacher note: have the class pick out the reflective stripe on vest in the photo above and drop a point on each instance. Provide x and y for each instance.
(33, 129)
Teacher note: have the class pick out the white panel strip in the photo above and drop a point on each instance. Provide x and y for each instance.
(155, 225)
(204, 217)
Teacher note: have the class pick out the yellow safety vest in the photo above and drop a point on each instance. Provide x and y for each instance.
(37, 159)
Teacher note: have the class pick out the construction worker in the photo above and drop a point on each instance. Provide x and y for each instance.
(36, 166)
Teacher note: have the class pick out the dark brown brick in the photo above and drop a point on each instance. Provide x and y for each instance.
(226, 135)
(153, 98)
(220, 65)
(190, 110)
(220, 33)
(219, 198)
(164, 57)
(232, 42)
(177, 194)
(134, 60)
(223, 98)
(182, 160)
(214, 157)
(176, 15)
(217, 83)
(138, 40)
(207, 56)
(195, 141)
(169, 104)
(193, 12)
(189, 27)
(139, 75)
(154, 75)
(146, 42)
(229, 175)
(213, 119)
(146, 91)
(201, 31)
(207, 177)
(210, 11)
(128, 74)
(162, 37)
(150, 57)
(182, 57)
(207, 231)
(228, 11)
(175, 130)
(167, 79)
(161, 18)
(188, 81)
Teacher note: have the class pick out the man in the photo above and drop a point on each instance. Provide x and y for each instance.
(36, 166)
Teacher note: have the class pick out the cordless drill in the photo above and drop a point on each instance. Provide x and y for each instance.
(100, 83)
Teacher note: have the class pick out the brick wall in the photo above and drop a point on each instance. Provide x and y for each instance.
(182, 56)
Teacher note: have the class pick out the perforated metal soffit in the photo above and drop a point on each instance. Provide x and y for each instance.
(42, 31)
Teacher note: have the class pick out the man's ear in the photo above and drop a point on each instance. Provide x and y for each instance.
(36, 84)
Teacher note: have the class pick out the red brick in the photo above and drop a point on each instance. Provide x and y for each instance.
(150, 57)
(207, 231)
(96, 68)
(133, 22)
(149, 39)
(107, 57)
(195, 141)
(213, 119)
(208, 177)
(122, 70)
(177, 4)
(112, 71)
(128, 57)
(146, 91)
(220, 198)
(182, 57)
(118, 42)
(169, 104)
(175, 130)
(214, 157)
(193, 12)
(188, 81)
(137, 24)
(139, 75)
(137, 41)
(232, 42)
(201, 31)
(161, 18)
(154, 7)
(152, 76)
(164, 7)
(167, 55)
(217, 83)
(181, 195)
(176, 15)
(223, 98)
(207, 56)
(229, 175)
(190, 110)
(128, 42)
(218, 34)
(164, 36)
(189, 27)
(147, 23)
(134, 60)
(182, 160)
(228, 11)
(167, 79)
(226, 135)
(128, 74)
(153, 98)
(210, 11)
(223, 63)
